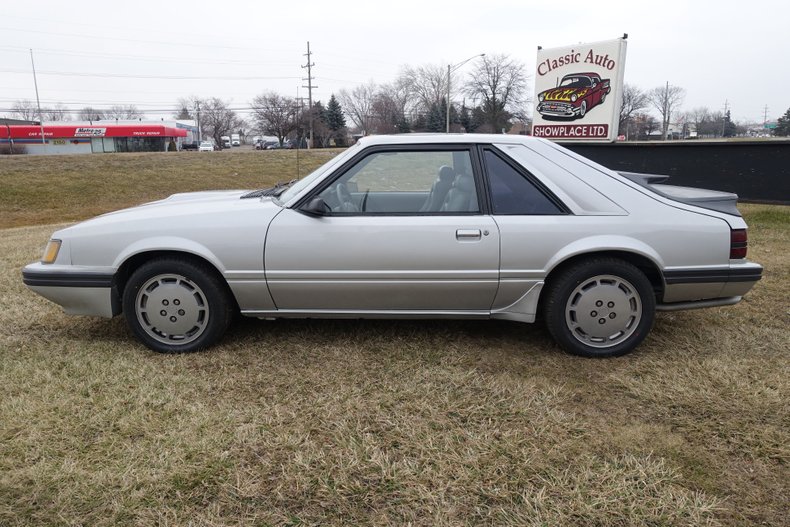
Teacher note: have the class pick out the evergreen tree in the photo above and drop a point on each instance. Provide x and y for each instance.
(783, 125)
(729, 127)
(465, 120)
(403, 125)
(419, 123)
(436, 117)
(333, 116)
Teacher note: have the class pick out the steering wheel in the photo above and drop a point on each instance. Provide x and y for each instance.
(344, 197)
(343, 194)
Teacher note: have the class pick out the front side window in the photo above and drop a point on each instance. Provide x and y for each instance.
(407, 182)
(512, 192)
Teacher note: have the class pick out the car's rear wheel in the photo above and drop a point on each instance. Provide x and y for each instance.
(174, 305)
(603, 307)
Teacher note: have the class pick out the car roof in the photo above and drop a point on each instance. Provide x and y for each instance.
(434, 138)
(590, 74)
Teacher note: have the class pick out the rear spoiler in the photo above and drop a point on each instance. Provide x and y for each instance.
(725, 202)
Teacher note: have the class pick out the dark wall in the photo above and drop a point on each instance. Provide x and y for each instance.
(755, 170)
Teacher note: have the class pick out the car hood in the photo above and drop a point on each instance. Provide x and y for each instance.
(179, 208)
(563, 94)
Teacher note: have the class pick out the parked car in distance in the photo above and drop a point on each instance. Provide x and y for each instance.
(271, 145)
(412, 226)
(190, 146)
(206, 146)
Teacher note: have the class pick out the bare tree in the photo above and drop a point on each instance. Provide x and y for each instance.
(275, 114)
(644, 125)
(24, 110)
(501, 83)
(56, 113)
(390, 107)
(666, 99)
(358, 105)
(425, 85)
(189, 108)
(129, 111)
(634, 100)
(218, 119)
(89, 113)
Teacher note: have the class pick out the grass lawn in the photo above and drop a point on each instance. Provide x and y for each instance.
(374, 422)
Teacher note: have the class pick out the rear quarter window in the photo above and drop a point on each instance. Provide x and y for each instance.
(512, 192)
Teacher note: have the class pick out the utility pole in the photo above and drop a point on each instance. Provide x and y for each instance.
(309, 87)
(200, 133)
(765, 116)
(38, 102)
(724, 119)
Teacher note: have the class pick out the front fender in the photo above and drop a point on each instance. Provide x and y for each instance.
(168, 243)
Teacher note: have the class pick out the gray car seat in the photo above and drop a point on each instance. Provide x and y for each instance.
(462, 197)
(439, 189)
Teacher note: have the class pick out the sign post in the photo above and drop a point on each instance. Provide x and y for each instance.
(579, 91)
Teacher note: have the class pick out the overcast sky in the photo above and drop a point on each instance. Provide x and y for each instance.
(150, 53)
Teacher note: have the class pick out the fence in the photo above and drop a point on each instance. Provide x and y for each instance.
(756, 170)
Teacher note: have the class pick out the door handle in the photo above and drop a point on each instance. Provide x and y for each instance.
(468, 234)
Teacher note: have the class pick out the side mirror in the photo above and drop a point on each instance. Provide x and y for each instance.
(316, 207)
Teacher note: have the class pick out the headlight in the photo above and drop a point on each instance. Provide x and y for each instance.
(573, 98)
(51, 252)
(541, 97)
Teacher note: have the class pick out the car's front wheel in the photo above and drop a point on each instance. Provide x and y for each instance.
(174, 305)
(602, 307)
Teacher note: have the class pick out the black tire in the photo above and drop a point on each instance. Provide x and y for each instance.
(193, 308)
(600, 307)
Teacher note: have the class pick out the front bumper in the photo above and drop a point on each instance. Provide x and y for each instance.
(558, 109)
(79, 291)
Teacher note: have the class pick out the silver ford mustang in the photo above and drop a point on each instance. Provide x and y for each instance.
(412, 226)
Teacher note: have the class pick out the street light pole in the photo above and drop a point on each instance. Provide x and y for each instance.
(450, 70)
(38, 101)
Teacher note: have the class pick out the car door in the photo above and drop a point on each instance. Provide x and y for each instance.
(402, 230)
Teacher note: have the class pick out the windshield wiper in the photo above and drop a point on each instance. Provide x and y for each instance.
(275, 191)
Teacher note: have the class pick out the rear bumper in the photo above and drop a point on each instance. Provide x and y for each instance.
(709, 284)
(81, 292)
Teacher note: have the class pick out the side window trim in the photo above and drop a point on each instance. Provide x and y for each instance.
(539, 186)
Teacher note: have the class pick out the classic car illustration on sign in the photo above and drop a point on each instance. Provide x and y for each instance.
(578, 91)
(412, 226)
(577, 94)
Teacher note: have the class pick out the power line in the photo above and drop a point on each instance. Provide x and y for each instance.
(120, 39)
(168, 77)
(164, 59)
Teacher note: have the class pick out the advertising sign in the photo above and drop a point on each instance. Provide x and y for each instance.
(90, 132)
(579, 90)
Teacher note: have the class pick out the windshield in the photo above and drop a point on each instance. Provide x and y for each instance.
(303, 183)
(575, 82)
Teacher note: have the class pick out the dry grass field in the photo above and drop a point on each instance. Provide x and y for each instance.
(375, 422)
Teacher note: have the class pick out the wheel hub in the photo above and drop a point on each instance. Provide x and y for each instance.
(603, 311)
(172, 308)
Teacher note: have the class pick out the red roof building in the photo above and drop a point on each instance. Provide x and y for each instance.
(90, 138)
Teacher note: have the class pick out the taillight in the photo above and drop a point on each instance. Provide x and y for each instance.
(738, 243)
